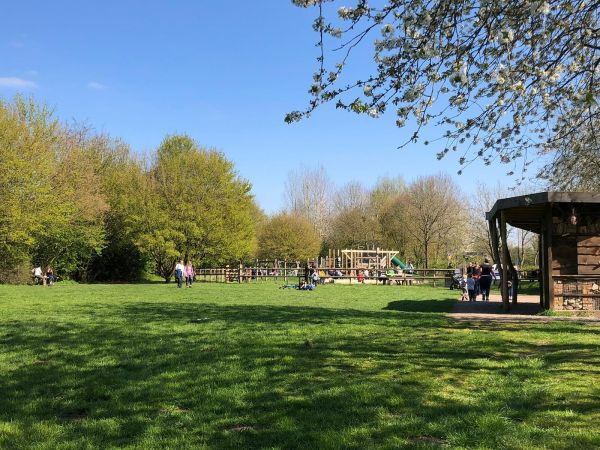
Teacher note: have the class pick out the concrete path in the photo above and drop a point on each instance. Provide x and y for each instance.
(525, 310)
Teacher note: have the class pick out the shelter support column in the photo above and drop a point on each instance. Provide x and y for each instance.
(494, 239)
(549, 285)
(541, 275)
(504, 259)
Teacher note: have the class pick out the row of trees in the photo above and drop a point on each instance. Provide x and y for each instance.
(429, 221)
(421, 220)
(85, 204)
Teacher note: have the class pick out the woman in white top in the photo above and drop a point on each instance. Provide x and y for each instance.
(179, 268)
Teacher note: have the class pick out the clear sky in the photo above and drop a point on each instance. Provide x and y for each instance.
(224, 72)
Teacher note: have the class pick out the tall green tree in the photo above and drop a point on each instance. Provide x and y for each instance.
(122, 177)
(196, 207)
(53, 206)
(73, 229)
(28, 135)
(288, 237)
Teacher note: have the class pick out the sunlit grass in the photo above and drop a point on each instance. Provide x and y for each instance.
(253, 366)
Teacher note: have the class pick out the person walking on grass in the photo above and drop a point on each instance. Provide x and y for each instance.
(471, 287)
(485, 281)
(465, 291)
(179, 268)
(189, 274)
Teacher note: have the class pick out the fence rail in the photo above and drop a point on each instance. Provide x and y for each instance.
(347, 276)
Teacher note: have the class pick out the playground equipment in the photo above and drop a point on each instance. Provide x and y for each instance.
(348, 266)
(351, 259)
(398, 263)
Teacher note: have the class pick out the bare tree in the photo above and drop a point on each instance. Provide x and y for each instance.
(350, 196)
(482, 201)
(308, 194)
(433, 207)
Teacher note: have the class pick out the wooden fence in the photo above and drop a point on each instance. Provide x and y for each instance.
(436, 277)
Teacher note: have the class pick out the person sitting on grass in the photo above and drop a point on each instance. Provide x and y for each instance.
(50, 275)
(315, 277)
(302, 286)
(308, 287)
(38, 278)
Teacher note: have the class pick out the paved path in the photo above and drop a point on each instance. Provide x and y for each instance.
(525, 310)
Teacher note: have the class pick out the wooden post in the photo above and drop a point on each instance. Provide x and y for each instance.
(540, 272)
(240, 272)
(504, 258)
(285, 271)
(549, 301)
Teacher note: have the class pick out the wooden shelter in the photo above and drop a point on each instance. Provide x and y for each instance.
(569, 246)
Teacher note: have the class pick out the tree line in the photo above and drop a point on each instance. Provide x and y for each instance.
(429, 221)
(86, 204)
(421, 220)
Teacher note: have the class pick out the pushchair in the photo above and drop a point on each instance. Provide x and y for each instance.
(455, 280)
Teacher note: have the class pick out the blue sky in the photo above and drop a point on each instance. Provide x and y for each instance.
(224, 72)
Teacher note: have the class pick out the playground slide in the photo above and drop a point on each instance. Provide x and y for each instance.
(398, 263)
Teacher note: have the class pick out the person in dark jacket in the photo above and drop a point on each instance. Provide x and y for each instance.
(485, 279)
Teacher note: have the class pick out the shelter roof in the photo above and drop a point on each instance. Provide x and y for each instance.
(527, 211)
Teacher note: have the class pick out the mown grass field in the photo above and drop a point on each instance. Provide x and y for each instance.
(251, 366)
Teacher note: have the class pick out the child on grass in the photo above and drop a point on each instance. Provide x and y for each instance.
(471, 287)
(465, 292)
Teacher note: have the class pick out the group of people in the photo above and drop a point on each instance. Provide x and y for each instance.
(302, 286)
(361, 274)
(478, 281)
(39, 276)
(184, 272)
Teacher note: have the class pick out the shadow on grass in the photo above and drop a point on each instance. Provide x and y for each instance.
(244, 377)
(427, 306)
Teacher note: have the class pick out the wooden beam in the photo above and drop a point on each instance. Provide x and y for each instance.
(494, 239)
(504, 258)
(550, 287)
(540, 264)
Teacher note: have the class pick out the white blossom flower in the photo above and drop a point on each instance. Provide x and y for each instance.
(387, 28)
(506, 36)
(373, 112)
(368, 90)
(344, 12)
(459, 77)
(544, 8)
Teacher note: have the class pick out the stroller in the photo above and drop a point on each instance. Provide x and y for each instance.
(455, 280)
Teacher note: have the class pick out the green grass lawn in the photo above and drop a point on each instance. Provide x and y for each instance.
(252, 366)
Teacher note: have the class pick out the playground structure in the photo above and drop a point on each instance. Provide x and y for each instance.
(357, 259)
(347, 266)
